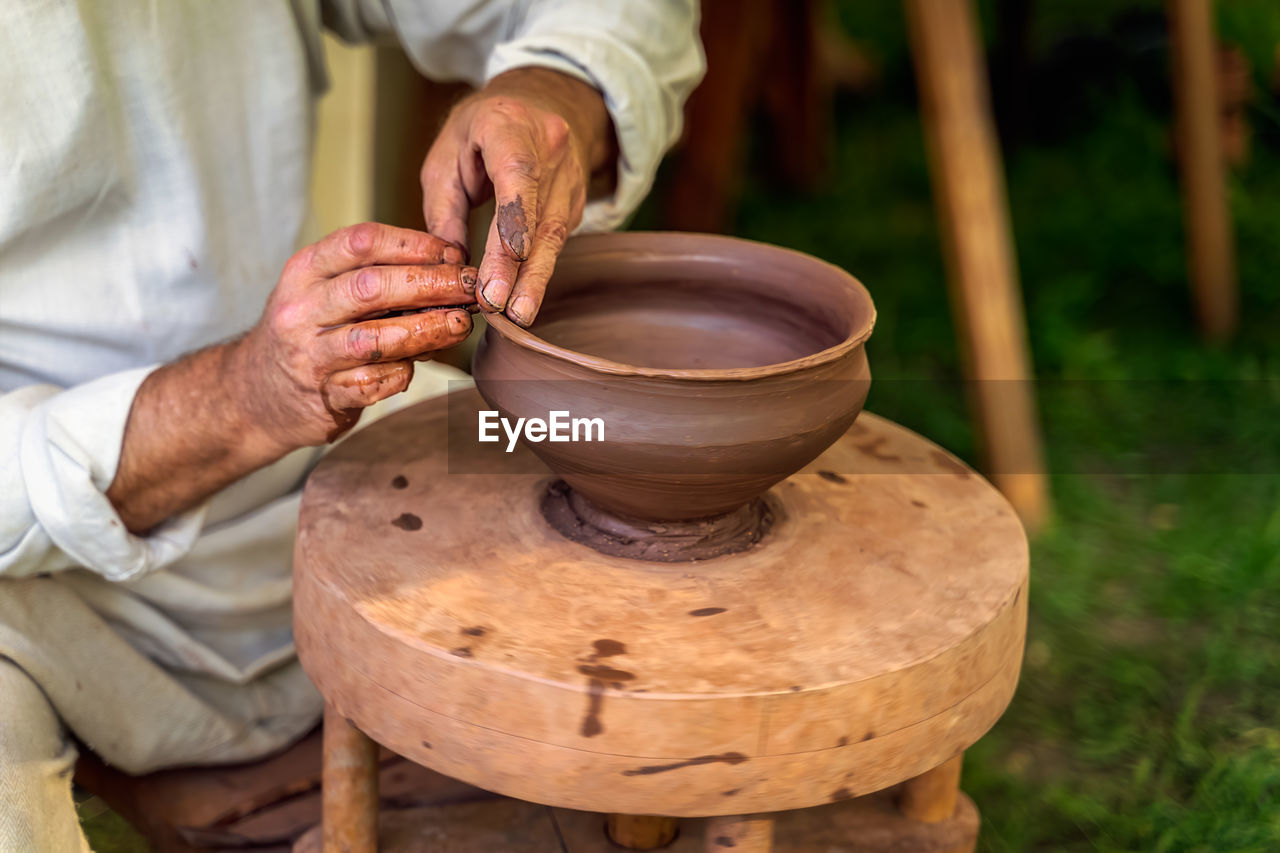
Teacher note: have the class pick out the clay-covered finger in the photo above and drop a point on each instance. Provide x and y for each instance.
(513, 164)
(498, 272)
(372, 243)
(371, 290)
(531, 282)
(393, 338)
(358, 387)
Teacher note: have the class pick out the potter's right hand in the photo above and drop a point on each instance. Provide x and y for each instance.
(325, 348)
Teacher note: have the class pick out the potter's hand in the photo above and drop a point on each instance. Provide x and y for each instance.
(534, 139)
(327, 345)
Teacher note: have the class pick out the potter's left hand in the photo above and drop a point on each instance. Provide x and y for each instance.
(537, 141)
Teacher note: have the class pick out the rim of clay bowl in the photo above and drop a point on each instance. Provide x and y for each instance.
(527, 339)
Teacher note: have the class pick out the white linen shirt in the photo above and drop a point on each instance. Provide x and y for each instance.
(153, 181)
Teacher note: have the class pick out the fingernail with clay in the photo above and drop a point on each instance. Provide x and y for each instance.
(453, 255)
(522, 310)
(459, 322)
(495, 293)
(468, 278)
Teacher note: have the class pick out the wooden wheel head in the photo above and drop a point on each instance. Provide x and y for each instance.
(875, 633)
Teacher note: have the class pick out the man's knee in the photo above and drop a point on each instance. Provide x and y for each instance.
(37, 760)
(29, 727)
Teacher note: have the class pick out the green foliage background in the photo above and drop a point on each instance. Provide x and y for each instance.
(1146, 718)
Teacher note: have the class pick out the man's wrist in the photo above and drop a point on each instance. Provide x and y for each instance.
(245, 404)
(188, 435)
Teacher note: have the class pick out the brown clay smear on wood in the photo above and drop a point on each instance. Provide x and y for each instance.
(407, 521)
(724, 758)
(597, 677)
(607, 649)
(591, 725)
(872, 448)
(606, 673)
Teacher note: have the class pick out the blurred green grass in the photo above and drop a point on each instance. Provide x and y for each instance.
(1146, 718)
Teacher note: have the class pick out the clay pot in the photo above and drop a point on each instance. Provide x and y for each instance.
(719, 367)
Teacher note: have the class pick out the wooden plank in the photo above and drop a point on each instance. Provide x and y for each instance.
(869, 824)
(741, 833)
(495, 826)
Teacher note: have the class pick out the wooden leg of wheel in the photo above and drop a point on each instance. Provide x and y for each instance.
(740, 833)
(931, 796)
(641, 832)
(349, 793)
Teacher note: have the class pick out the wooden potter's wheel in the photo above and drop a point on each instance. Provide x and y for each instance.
(874, 634)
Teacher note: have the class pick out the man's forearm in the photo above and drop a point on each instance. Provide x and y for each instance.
(187, 437)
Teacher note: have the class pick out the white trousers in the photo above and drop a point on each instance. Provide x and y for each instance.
(65, 669)
(37, 759)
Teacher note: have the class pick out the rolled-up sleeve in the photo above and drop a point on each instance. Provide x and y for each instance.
(643, 56)
(59, 449)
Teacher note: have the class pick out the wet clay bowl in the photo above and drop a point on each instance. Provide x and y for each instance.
(718, 366)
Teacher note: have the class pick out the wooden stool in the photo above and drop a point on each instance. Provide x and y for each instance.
(871, 638)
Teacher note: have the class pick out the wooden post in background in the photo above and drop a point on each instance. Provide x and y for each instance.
(349, 787)
(973, 213)
(1210, 253)
(702, 193)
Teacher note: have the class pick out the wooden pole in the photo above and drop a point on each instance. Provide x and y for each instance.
(641, 832)
(1210, 251)
(740, 833)
(974, 219)
(349, 790)
(931, 796)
